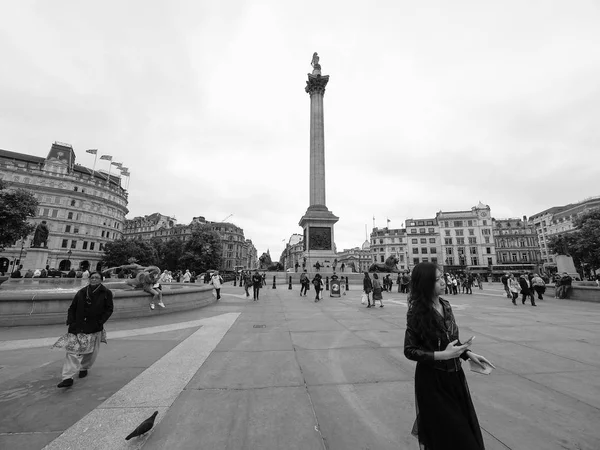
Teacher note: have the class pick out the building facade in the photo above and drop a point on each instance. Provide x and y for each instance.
(559, 219)
(238, 252)
(83, 209)
(423, 241)
(517, 246)
(467, 240)
(293, 253)
(357, 259)
(386, 242)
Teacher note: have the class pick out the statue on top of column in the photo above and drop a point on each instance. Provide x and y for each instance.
(315, 64)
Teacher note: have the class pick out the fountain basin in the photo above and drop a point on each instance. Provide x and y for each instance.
(32, 304)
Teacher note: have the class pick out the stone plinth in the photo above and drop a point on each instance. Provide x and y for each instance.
(36, 258)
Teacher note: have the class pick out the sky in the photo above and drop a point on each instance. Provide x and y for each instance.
(430, 105)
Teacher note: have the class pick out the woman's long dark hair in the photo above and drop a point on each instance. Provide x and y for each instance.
(420, 316)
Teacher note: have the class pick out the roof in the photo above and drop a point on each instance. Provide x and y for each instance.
(21, 157)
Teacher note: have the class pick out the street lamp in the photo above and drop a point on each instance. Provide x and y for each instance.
(69, 253)
(20, 255)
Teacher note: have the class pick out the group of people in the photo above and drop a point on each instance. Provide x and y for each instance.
(464, 282)
(527, 285)
(255, 280)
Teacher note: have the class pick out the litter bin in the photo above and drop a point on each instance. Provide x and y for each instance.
(334, 290)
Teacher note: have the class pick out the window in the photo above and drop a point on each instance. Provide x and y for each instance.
(92, 245)
(415, 261)
(68, 229)
(473, 250)
(382, 258)
(488, 250)
(460, 241)
(447, 232)
(458, 223)
(446, 224)
(381, 249)
(514, 257)
(432, 240)
(472, 240)
(425, 259)
(486, 231)
(65, 242)
(55, 213)
(415, 241)
(489, 261)
(413, 231)
(433, 250)
(401, 258)
(70, 216)
(448, 250)
(430, 230)
(46, 212)
(450, 261)
(423, 240)
(471, 232)
(420, 222)
(474, 261)
(101, 246)
(75, 188)
(73, 244)
(524, 256)
(504, 257)
(381, 241)
(85, 244)
(73, 202)
(459, 232)
(469, 223)
(415, 251)
(422, 230)
(487, 239)
(461, 250)
(434, 260)
(393, 249)
(102, 233)
(424, 250)
(485, 222)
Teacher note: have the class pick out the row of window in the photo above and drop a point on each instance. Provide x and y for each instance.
(461, 223)
(463, 261)
(84, 246)
(461, 241)
(514, 257)
(421, 222)
(424, 250)
(472, 250)
(422, 230)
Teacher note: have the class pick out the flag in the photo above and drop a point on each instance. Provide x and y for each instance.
(93, 151)
(106, 157)
(388, 221)
(117, 164)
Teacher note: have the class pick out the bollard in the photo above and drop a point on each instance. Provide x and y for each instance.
(347, 285)
(235, 280)
(290, 285)
(274, 287)
(327, 283)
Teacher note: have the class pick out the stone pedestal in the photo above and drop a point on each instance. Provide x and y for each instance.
(36, 258)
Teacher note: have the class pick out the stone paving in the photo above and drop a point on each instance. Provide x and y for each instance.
(288, 373)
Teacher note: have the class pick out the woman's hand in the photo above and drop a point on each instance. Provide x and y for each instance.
(454, 351)
(480, 360)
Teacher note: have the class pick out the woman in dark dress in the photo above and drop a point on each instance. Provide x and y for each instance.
(367, 288)
(446, 418)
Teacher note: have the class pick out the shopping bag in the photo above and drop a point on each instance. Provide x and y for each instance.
(364, 299)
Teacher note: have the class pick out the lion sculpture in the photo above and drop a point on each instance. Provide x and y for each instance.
(388, 266)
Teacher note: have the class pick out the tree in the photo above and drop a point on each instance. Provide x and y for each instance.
(118, 252)
(203, 251)
(583, 243)
(168, 252)
(16, 207)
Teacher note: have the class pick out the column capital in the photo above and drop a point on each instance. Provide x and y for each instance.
(316, 84)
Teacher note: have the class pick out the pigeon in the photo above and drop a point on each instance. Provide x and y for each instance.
(143, 427)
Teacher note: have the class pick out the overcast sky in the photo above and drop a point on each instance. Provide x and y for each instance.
(430, 105)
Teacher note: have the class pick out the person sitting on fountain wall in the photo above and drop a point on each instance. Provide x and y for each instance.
(92, 306)
(72, 273)
(17, 273)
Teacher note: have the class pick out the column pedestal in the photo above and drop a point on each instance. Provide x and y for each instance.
(36, 258)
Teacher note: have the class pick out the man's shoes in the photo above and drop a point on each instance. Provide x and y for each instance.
(514, 303)
(534, 304)
(523, 301)
(161, 304)
(82, 373)
(151, 305)
(381, 306)
(65, 383)
(368, 306)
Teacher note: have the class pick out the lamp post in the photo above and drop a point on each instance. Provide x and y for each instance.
(69, 253)
(20, 255)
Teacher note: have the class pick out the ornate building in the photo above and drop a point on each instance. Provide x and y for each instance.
(357, 259)
(238, 252)
(516, 243)
(466, 239)
(293, 253)
(83, 209)
(386, 242)
(559, 219)
(423, 241)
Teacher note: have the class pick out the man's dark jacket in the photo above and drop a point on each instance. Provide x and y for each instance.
(88, 315)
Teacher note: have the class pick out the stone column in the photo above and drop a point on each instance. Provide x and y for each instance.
(315, 86)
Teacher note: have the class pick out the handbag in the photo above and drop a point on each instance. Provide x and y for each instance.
(364, 299)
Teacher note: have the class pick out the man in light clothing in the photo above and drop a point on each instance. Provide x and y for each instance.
(217, 280)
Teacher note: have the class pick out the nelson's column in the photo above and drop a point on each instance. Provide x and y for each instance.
(318, 221)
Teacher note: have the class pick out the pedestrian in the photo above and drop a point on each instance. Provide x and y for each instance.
(304, 283)
(257, 283)
(90, 309)
(187, 276)
(565, 285)
(446, 417)
(399, 282)
(377, 290)
(368, 288)
(504, 280)
(317, 266)
(526, 290)
(405, 282)
(343, 266)
(217, 280)
(513, 287)
(247, 282)
(318, 284)
(454, 285)
(85, 274)
(538, 285)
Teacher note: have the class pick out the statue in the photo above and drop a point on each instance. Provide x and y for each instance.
(265, 261)
(388, 266)
(315, 64)
(41, 236)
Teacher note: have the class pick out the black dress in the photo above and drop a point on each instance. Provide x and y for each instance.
(446, 418)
